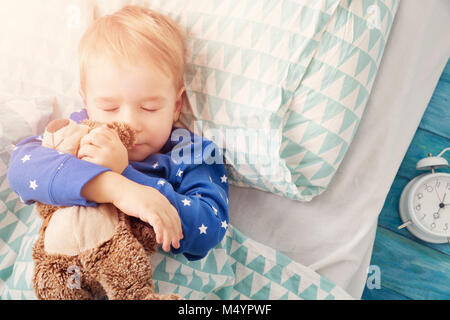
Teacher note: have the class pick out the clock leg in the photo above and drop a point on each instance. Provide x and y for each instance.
(407, 223)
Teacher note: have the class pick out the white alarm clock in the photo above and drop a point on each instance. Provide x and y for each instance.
(425, 202)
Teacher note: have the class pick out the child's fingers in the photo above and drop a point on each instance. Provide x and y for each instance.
(176, 243)
(172, 222)
(155, 222)
(107, 133)
(110, 132)
(158, 233)
(175, 221)
(166, 242)
(161, 228)
(179, 226)
(166, 238)
(87, 150)
(96, 137)
(167, 227)
(169, 235)
(90, 159)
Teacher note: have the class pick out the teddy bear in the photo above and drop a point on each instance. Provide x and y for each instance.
(89, 252)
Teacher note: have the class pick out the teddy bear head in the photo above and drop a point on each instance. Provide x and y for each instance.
(64, 135)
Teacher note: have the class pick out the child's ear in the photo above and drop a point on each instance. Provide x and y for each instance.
(83, 96)
(178, 104)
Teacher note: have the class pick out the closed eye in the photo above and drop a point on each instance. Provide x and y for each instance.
(149, 110)
(111, 109)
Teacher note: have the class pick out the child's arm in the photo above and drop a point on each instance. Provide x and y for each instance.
(140, 201)
(194, 194)
(103, 146)
(201, 199)
(37, 173)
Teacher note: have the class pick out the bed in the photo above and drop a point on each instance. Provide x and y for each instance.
(328, 240)
(335, 235)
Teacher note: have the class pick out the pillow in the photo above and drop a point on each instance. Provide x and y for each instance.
(23, 117)
(326, 109)
(37, 61)
(245, 60)
(280, 86)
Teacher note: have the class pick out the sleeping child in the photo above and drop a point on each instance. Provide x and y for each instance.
(131, 70)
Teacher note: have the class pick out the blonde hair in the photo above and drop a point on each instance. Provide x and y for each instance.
(136, 34)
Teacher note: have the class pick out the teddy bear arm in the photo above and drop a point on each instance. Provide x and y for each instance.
(45, 210)
(144, 233)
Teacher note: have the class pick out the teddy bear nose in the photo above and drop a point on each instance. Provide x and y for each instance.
(57, 124)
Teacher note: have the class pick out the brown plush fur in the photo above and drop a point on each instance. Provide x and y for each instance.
(119, 267)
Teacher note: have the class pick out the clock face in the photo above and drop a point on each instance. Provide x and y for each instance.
(431, 204)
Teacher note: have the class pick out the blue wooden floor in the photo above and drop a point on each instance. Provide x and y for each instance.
(411, 268)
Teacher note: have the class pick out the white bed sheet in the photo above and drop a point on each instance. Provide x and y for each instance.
(335, 232)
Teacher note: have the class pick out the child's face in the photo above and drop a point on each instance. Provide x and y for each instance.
(144, 97)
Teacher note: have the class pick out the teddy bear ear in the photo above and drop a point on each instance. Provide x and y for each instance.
(57, 124)
(90, 123)
(126, 134)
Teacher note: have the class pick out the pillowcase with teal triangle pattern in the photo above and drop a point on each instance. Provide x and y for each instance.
(279, 85)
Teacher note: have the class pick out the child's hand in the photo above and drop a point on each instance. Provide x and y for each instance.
(102, 146)
(149, 205)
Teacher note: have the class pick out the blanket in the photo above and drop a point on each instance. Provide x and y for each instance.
(237, 268)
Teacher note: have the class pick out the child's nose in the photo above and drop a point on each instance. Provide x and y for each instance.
(132, 118)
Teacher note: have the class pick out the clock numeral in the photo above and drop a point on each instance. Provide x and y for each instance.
(448, 185)
(436, 215)
(433, 225)
(428, 188)
(418, 207)
(446, 227)
(438, 184)
(423, 217)
(419, 196)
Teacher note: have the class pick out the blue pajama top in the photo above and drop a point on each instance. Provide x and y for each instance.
(197, 188)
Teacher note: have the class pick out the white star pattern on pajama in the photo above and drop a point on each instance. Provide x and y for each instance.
(197, 191)
(202, 229)
(33, 184)
(26, 158)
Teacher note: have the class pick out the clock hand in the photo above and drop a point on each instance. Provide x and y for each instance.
(436, 215)
(435, 189)
(442, 204)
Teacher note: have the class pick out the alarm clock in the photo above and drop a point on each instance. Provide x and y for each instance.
(424, 204)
